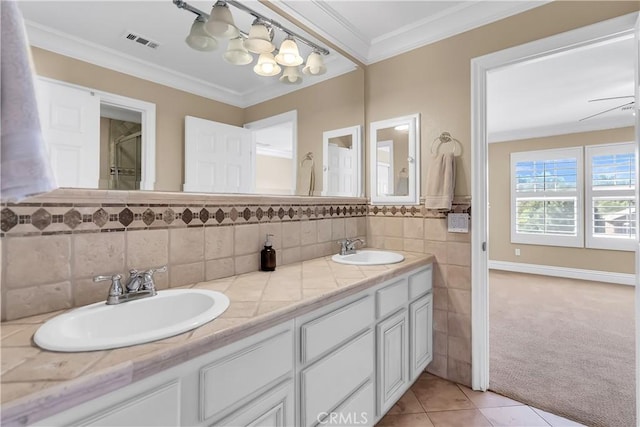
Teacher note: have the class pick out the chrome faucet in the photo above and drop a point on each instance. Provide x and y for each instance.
(139, 285)
(348, 246)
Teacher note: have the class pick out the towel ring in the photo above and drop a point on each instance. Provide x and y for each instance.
(445, 138)
(307, 157)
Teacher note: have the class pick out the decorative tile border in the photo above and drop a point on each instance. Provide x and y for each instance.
(459, 205)
(65, 218)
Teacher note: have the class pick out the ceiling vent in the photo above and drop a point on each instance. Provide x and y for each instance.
(145, 41)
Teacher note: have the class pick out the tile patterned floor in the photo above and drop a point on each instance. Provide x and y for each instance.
(435, 402)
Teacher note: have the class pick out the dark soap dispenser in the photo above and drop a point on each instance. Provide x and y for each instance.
(268, 255)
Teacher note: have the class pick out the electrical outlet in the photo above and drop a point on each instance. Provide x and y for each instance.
(517, 251)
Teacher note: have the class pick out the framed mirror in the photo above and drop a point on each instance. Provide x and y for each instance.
(342, 162)
(394, 153)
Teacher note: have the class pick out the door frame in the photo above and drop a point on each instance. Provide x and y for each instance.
(147, 112)
(480, 66)
(278, 119)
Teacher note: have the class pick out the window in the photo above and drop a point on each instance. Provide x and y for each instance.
(610, 196)
(546, 197)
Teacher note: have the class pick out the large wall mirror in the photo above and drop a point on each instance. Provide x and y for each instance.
(342, 162)
(95, 55)
(394, 153)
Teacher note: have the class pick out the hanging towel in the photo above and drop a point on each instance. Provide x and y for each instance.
(441, 182)
(306, 177)
(25, 167)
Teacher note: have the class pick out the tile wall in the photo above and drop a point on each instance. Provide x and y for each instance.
(54, 245)
(419, 230)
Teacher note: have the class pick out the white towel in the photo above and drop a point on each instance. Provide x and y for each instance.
(441, 182)
(25, 167)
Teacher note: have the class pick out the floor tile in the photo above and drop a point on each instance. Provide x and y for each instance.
(405, 420)
(555, 420)
(435, 394)
(460, 418)
(517, 416)
(487, 399)
(408, 404)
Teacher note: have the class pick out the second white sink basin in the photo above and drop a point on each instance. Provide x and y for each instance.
(368, 257)
(99, 326)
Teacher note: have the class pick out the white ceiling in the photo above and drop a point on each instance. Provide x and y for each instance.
(524, 100)
(550, 96)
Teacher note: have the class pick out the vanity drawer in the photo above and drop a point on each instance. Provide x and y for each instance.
(320, 335)
(421, 282)
(240, 376)
(329, 382)
(392, 297)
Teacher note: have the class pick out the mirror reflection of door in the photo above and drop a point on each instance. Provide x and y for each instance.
(341, 168)
(392, 159)
(385, 168)
(121, 148)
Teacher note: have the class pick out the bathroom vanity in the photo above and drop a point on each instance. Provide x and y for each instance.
(340, 357)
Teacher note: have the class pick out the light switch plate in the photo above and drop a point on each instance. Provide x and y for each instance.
(458, 222)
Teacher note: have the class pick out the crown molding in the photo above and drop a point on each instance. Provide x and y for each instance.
(454, 20)
(64, 44)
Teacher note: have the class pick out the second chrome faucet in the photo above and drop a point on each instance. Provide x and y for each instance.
(139, 285)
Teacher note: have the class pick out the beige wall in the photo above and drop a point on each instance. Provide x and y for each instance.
(333, 104)
(274, 175)
(171, 107)
(500, 246)
(435, 81)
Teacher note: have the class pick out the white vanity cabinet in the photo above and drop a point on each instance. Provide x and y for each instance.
(249, 382)
(404, 335)
(345, 363)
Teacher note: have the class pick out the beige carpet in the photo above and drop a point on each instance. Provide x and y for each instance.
(565, 346)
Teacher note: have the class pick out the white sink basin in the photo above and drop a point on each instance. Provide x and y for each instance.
(367, 257)
(99, 326)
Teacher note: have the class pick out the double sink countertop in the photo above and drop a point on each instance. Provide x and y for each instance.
(36, 383)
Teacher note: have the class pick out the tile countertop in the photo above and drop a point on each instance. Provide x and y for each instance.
(38, 383)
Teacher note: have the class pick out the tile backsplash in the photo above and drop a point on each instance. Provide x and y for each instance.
(416, 229)
(53, 245)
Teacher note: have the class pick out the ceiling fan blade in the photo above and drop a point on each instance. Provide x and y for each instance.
(606, 111)
(613, 97)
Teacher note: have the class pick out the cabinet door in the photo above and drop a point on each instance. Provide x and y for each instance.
(421, 328)
(273, 409)
(393, 369)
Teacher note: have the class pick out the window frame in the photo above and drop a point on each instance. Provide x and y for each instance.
(601, 242)
(577, 194)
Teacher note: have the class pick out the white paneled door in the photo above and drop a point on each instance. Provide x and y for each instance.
(218, 158)
(70, 120)
(341, 171)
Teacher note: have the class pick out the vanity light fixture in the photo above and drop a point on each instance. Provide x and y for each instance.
(267, 65)
(315, 65)
(288, 54)
(259, 40)
(220, 23)
(236, 53)
(291, 76)
(402, 128)
(199, 38)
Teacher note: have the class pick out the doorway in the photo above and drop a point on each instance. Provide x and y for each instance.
(275, 141)
(597, 33)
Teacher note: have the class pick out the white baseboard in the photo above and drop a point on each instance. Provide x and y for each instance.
(570, 273)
